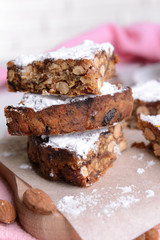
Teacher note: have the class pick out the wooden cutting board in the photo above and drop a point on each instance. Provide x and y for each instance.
(123, 204)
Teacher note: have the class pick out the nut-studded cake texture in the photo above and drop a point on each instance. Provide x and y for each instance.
(146, 100)
(52, 115)
(79, 158)
(150, 125)
(73, 71)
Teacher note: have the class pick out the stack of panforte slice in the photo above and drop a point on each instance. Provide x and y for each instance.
(71, 115)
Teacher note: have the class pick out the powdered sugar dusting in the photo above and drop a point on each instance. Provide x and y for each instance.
(147, 92)
(150, 163)
(80, 143)
(9, 154)
(116, 149)
(121, 202)
(154, 120)
(94, 190)
(51, 173)
(25, 166)
(126, 189)
(86, 50)
(149, 193)
(38, 102)
(79, 204)
(140, 171)
(139, 156)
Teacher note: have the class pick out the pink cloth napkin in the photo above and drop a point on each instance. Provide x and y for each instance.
(140, 42)
(3, 73)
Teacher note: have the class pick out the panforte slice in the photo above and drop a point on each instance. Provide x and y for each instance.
(52, 115)
(79, 158)
(79, 70)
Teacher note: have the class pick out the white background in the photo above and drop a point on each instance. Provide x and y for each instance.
(34, 26)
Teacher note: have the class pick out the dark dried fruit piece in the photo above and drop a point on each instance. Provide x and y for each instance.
(108, 116)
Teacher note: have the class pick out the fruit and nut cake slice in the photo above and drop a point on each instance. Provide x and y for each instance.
(51, 115)
(150, 125)
(79, 158)
(79, 70)
(146, 100)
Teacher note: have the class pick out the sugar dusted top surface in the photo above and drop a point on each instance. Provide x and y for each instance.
(147, 92)
(79, 143)
(39, 102)
(86, 50)
(155, 120)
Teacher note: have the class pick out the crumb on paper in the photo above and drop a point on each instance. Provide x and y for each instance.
(140, 170)
(139, 145)
(25, 166)
(149, 193)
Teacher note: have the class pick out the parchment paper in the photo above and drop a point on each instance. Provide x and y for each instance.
(123, 204)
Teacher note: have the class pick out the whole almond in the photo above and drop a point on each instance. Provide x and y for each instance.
(117, 130)
(142, 109)
(122, 145)
(7, 212)
(102, 70)
(156, 148)
(62, 87)
(79, 70)
(149, 134)
(111, 146)
(38, 201)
